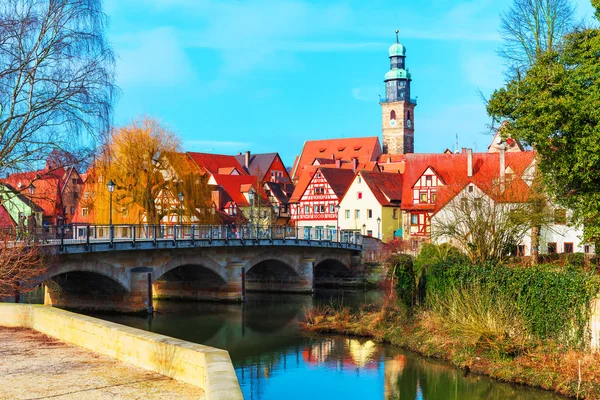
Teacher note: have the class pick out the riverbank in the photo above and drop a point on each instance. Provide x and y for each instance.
(33, 365)
(539, 364)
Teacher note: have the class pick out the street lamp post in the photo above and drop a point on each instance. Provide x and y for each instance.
(181, 197)
(337, 228)
(251, 198)
(276, 211)
(111, 188)
(379, 228)
(364, 229)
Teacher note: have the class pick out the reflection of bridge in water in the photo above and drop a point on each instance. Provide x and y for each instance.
(125, 272)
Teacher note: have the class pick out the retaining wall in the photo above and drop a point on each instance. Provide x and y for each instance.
(203, 366)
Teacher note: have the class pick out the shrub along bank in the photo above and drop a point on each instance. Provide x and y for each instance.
(525, 325)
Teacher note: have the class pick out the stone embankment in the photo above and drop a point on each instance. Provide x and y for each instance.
(205, 367)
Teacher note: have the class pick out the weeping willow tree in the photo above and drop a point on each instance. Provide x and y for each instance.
(133, 157)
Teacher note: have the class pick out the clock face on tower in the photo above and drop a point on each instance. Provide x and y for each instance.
(392, 123)
(408, 123)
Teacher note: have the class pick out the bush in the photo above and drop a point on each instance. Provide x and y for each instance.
(553, 302)
(575, 260)
(401, 266)
(432, 255)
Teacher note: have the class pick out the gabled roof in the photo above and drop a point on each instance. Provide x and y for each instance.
(236, 185)
(387, 188)
(277, 190)
(364, 149)
(213, 162)
(452, 169)
(48, 188)
(338, 179)
(259, 163)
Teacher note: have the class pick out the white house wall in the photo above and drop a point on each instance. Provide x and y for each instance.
(352, 202)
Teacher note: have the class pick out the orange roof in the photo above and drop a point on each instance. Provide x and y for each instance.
(212, 163)
(364, 149)
(48, 186)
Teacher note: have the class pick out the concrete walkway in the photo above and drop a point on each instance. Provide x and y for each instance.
(35, 366)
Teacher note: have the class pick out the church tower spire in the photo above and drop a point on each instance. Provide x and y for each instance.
(397, 122)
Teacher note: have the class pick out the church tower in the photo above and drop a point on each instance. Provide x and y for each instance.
(397, 108)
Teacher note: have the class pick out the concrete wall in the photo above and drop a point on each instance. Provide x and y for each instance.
(203, 366)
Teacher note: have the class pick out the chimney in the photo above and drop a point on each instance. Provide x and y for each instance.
(354, 164)
(469, 163)
(502, 166)
(338, 163)
(332, 156)
(463, 150)
(247, 159)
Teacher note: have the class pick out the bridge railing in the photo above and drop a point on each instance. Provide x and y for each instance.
(79, 233)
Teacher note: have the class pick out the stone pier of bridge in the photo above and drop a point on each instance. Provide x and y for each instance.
(129, 280)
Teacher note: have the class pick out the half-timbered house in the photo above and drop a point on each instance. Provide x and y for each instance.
(315, 199)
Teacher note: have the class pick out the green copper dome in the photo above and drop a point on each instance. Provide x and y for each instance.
(397, 50)
(397, 73)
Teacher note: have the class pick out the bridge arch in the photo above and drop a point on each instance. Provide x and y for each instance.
(89, 267)
(272, 256)
(331, 270)
(195, 260)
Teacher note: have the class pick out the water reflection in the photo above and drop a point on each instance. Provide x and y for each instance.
(275, 360)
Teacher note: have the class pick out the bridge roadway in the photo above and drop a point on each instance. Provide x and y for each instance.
(123, 268)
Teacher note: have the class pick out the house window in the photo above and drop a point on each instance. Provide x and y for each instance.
(369, 213)
(356, 214)
(84, 212)
(568, 247)
(74, 181)
(586, 249)
(86, 195)
(433, 197)
(464, 203)
(359, 195)
(347, 214)
(395, 213)
(316, 208)
(423, 198)
(370, 233)
(75, 195)
(392, 115)
(415, 245)
(477, 203)
(521, 250)
(470, 188)
(331, 208)
(552, 248)
(359, 179)
(306, 209)
(428, 181)
(322, 208)
(560, 216)
(414, 219)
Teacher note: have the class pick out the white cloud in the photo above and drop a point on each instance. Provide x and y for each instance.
(151, 58)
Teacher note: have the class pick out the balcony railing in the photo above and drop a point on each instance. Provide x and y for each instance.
(385, 100)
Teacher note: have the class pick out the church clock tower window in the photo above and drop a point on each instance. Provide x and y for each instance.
(398, 136)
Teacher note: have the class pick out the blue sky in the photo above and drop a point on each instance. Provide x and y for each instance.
(267, 75)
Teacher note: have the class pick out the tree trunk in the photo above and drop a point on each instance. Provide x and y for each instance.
(535, 245)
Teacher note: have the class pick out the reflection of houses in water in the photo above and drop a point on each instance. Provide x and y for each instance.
(393, 368)
(317, 353)
(343, 353)
(362, 355)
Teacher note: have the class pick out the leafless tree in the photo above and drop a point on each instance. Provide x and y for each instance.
(20, 266)
(532, 27)
(488, 224)
(56, 79)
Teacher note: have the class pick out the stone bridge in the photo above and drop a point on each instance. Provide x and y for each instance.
(125, 275)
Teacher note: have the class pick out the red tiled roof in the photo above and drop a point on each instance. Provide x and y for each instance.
(387, 188)
(48, 186)
(213, 162)
(338, 179)
(234, 185)
(364, 149)
(5, 218)
(452, 169)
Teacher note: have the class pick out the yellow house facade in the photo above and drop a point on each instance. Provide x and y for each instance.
(371, 206)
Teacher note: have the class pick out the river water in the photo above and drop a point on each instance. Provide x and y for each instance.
(274, 359)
